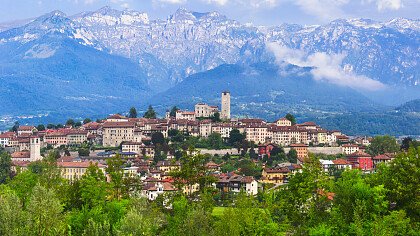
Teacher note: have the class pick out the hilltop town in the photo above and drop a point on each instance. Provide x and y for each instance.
(242, 154)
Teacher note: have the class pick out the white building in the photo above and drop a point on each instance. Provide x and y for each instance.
(204, 110)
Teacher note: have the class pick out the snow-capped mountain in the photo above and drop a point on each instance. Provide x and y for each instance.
(190, 42)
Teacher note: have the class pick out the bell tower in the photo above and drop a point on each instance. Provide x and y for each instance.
(225, 115)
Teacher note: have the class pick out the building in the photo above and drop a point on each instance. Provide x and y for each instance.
(204, 110)
(326, 165)
(75, 170)
(236, 183)
(139, 148)
(341, 164)
(114, 133)
(360, 160)
(349, 148)
(265, 149)
(225, 114)
(25, 129)
(277, 175)
(382, 158)
(76, 137)
(302, 151)
(5, 138)
(184, 115)
(168, 166)
(283, 122)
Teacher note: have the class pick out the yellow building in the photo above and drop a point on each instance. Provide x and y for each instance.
(275, 175)
(75, 170)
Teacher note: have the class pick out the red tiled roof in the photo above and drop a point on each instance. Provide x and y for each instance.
(84, 164)
(341, 162)
(123, 124)
(24, 154)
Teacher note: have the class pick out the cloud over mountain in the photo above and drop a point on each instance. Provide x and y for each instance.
(325, 67)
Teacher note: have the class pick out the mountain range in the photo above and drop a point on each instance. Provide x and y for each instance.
(108, 60)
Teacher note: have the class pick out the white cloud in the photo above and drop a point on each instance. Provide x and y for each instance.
(323, 9)
(325, 67)
(218, 2)
(388, 4)
(171, 1)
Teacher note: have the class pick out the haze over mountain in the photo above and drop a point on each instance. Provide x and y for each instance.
(109, 60)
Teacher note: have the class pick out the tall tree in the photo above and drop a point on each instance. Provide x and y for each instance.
(236, 137)
(292, 156)
(215, 141)
(116, 173)
(174, 109)
(383, 144)
(44, 210)
(13, 220)
(40, 127)
(291, 118)
(93, 187)
(150, 113)
(133, 113)
(87, 120)
(158, 138)
(5, 166)
(70, 122)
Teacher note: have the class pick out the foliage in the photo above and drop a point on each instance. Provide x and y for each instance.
(383, 144)
(5, 166)
(86, 121)
(291, 118)
(40, 127)
(132, 113)
(158, 138)
(83, 152)
(150, 113)
(173, 111)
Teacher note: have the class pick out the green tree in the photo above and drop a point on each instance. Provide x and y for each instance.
(83, 152)
(40, 127)
(150, 113)
(116, 173)
(383, 144)
(93, 187)
(216, 117)
(292, 156)
(77, 124)
(15, 127)
(158, 138)
(291, 118)
(173, 111)
(70, 122)
(236, 137)
(5, 167)
(214, 141)
(44, 210)
(12, 217)
(22, 184)
(142, 218)
(86, 121)
(132, 113)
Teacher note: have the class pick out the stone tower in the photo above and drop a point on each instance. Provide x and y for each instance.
(225, 115)
(35, 148)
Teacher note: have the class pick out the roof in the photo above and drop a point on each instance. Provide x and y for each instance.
(26, 128)
(341, 162)
(359, 154)
(24, 154)
(277, 170)
(381, 157)
(117, 116)
(122, 124)
(298, 145)
(84, 164)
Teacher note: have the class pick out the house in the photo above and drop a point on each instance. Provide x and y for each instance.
(152, 191)
(382, 158)
(237, 183)
(168, 166)
(211, 166)
(349, 148)
(25, 129)
(265, 149)
(326, 164)
(302, 151)
(283, 122)
(114, 133)
(139, 148)
(184, 115)
(277, 175)
(5, 138)
(360, 160)
(341, 164)
(75, 170)
(204, 110)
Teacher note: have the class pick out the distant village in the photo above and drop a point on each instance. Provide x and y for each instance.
(137, 141)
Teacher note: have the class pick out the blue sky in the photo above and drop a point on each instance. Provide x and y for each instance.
(258, 12)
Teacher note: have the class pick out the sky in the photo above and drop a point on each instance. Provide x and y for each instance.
(257, 12)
